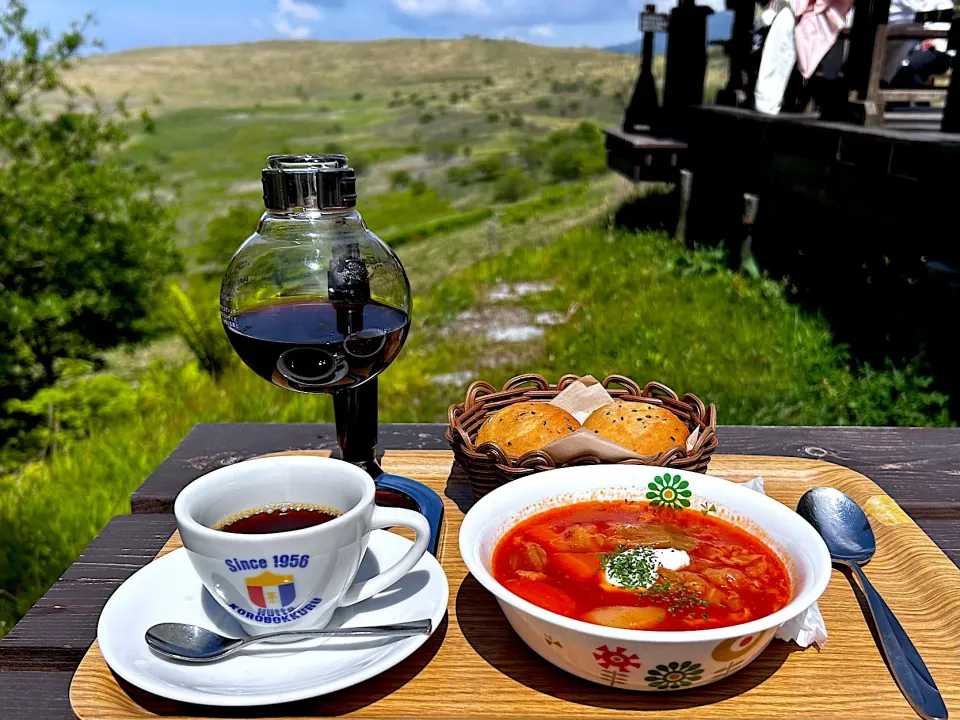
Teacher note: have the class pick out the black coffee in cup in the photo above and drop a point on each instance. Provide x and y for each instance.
(279, 517)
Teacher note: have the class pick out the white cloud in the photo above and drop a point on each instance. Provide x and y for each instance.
(427, 8)
(542, 31)
(302, 11)
(293, 32)
(293, 20)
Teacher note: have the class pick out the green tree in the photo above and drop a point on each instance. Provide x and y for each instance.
(85, 240)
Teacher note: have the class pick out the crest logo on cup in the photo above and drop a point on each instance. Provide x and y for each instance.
(279, 540)
(267, 590)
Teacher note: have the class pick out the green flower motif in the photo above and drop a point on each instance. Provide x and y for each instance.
(674, 676)
(669, 490)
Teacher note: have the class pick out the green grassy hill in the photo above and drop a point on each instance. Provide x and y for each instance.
(272, 72)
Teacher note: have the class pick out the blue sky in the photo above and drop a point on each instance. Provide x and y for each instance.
(125, 24)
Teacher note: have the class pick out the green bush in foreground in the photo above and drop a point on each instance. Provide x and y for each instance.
(85, 241)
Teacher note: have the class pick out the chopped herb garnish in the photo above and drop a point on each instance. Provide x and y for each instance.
(631, 568)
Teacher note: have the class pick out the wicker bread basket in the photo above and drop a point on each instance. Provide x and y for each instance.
(488, 467)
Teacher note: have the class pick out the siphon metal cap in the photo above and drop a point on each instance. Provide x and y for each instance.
(310, 182)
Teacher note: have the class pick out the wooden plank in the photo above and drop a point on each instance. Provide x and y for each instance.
(35, 695)
(481, 669)
(951, 110)
(55, 633)
(645, 141)
(755, 122)
(910, 32)
(933, 94)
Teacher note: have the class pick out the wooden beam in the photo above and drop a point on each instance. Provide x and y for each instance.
(738, 50)
(918, 95)
(951, 112)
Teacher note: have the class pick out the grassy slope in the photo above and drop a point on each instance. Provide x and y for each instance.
(269, 72)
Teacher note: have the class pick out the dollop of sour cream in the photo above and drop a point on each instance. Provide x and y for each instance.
(669, 558)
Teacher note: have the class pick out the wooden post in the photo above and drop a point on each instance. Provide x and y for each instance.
(865, 58)
(644, 107)
(738, 50)
(686, 186)
(951, 111)
(873, 106)
(748, 264)
(686, 65)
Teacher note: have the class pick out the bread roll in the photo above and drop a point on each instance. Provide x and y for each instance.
(644, 428)
(526, 426)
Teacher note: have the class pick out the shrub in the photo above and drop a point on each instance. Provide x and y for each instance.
(575, 154)
(513, 185)
(427, 118)
(358, 96)
(454, 97)
(199, 325)
(443, 151)
(418, 187)
(516, 121)
(530, 155)
(544, 103)
(459, 175)
(80, 403)
(488, 80)
(489, 167)
(400, 179)
(493, 117)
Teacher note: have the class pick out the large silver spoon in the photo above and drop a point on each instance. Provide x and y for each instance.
(849, 538)
(192, 643)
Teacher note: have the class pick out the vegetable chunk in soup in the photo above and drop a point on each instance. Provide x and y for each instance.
(632, 565)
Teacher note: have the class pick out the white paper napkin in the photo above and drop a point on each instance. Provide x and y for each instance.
(808, 627)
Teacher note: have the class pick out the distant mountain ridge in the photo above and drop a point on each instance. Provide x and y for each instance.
(719, 26)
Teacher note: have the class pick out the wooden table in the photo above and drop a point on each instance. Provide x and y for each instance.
(920, 468)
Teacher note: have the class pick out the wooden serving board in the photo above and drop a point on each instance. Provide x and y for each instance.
(474, 665)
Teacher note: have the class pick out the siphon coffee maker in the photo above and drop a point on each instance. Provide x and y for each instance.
(314, 302)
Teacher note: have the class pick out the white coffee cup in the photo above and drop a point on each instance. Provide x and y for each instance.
(294, 579)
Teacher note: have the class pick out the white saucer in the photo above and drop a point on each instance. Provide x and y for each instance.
(168, 590)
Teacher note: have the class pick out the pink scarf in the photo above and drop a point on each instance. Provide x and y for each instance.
(819, 23)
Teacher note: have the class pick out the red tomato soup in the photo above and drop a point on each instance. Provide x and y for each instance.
(609, 563)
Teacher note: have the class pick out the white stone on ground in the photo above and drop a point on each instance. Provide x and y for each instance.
(517, 290)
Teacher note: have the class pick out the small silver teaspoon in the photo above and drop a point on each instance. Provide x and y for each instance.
(192, 643)
(845, 529)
